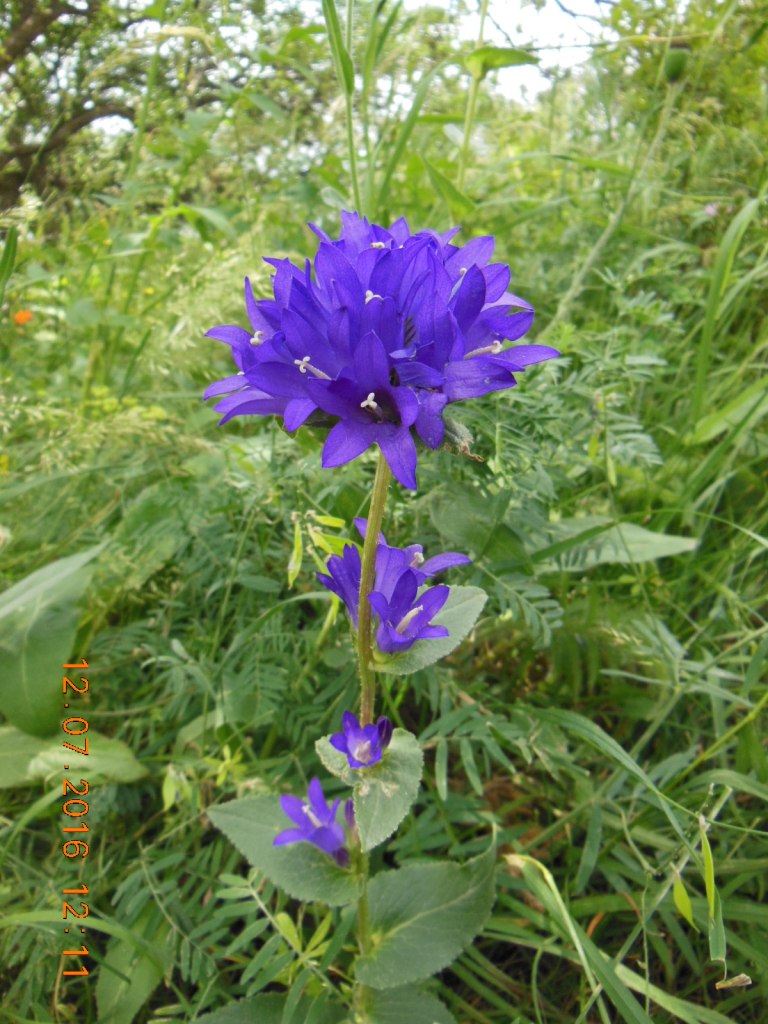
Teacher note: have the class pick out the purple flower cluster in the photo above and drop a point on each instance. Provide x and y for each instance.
(376, 338)
(363, 744)
(316, 823)
(403, 609)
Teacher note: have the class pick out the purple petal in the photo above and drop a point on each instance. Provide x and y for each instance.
(345, 442)
(399, 449)
(439, 563)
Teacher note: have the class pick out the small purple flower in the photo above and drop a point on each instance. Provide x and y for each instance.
(404, 611)
(375, 338)
(316, 823)
(363, 744)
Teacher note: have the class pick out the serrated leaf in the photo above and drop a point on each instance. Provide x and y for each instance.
(384, 793)
(107, 760)
(422, 917)
(487, 58)
(407, 1005)
(459, 614)
(301, 869)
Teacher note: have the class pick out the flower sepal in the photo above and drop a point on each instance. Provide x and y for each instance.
(384, 792)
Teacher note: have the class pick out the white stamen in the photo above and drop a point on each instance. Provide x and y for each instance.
(311, 815)
(418, 558)
(462, 271)
(362, 752)
(370, 295)
(241, 373)
(258, 338)
(377, 245)
(494, 349)
(369, 403)
(304, 365)
(406, 620)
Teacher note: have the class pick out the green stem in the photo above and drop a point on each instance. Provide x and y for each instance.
(362, 992)
(367, 576)
(469, 116)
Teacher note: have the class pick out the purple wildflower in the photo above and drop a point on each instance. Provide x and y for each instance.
(391, 327)
(404, 611)
(316, 823)
(363, 744)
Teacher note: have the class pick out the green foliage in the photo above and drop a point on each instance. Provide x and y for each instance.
(422, 916)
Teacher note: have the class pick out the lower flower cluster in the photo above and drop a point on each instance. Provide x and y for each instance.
(404, 610)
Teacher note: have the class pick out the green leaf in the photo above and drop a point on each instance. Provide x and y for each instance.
(750, 405)
(682, 901)
(269, 1009)
(345, 72)
(407, 1005)
(130, 972)
(38, 619)
(709, 868)
(422, 917)
(459, 614)
(107, 760)
(383, 793)
(294, 564)
(453, 197)
(301, 869)
(487, 58)
(586, 541)
(716, 933)
(16, 751)
(8, 259)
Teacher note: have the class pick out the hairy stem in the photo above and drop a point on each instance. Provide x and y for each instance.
(367, 576)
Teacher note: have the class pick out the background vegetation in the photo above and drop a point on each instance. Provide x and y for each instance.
(614, 505)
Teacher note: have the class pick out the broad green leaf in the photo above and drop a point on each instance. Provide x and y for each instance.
(128, 974)
(301, 869)
(38, 625)
(459, 614)
(487, 58)
(682, 901)
(383, 793)
(407, 1005)
(270, 1008)
(107, 760)
(583, 542)
(16, 751)
(422, 917)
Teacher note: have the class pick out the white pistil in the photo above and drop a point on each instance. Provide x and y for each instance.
(370, 403)
(311, 815)
(304, 365)
(258, 338)
(494, 350)
(406, 620)
(377, 245)
(370, 295)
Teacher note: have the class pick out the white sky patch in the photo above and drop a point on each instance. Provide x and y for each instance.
(561, 40)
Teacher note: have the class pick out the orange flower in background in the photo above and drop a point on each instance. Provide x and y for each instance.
(23, 316)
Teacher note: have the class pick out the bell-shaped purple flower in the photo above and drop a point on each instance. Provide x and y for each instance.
(375, 338)
(404, 610)
(363, 744)
(315, 823)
